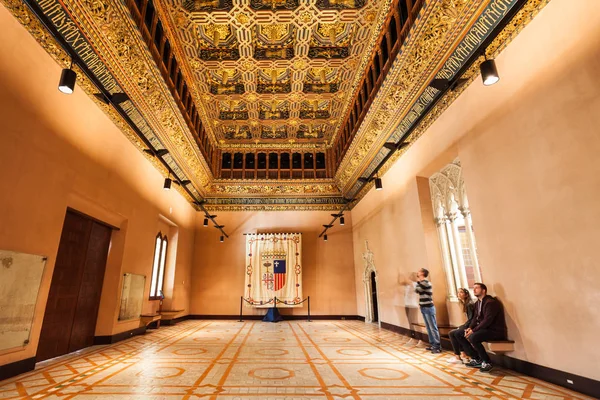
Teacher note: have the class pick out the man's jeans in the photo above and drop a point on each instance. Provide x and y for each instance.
(431, 324)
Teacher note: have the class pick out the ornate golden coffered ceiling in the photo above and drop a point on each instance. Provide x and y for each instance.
(256, 73)
(268, 72)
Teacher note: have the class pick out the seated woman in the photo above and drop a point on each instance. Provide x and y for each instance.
(468, 307)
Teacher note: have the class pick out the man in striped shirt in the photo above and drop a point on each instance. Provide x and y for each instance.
(428, 310)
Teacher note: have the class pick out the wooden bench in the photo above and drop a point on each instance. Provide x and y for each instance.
(443, 329)
(169, 315)
(499, 347)
(146, 320)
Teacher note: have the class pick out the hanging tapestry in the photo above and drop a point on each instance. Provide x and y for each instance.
(273, 269)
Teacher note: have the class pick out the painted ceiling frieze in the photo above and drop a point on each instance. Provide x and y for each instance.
(460, 55)
(107, 30)
(442, 40)
(269, 75)
(85, 48)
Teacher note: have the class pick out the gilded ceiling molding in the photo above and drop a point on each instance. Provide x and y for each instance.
(30, 22)
(438, 27)
(277, 207)
(281, 59)
(308, 188)
(112, 33)
(290, 145)
(516, 25)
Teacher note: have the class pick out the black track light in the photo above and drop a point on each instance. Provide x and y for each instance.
(489, 73)
(221, 239)
(167, 185)
(342, 221)
(67, 80)
(325, 237)
(205, 222)
(378, 184)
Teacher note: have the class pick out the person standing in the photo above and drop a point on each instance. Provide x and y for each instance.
(488, 324)
(411, 299)
(425, 292)
(468, 307)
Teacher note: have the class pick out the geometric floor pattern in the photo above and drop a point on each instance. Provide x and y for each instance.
(259, 360)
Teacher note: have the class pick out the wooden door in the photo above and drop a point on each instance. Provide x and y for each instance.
(75, 289)
(84, 323)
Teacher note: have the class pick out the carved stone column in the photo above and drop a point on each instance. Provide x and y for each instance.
(441, 228)
(472, 244)
(459, 268)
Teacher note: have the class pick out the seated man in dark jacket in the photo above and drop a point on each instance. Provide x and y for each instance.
(488, 324)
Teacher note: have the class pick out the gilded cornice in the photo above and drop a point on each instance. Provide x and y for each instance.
(273, 188)
(438, 27)
(233, 147)
(113, 34)
(271, 207)
(523, 17)
(26, 17)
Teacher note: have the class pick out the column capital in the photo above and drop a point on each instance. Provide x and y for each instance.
(465, 211)
(451, 217)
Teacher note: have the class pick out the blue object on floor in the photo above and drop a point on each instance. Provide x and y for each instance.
(272, 315)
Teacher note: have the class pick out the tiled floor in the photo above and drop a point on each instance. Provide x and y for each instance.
(257, 360)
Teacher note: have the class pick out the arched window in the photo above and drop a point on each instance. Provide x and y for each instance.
(158, 266)
(455, 228)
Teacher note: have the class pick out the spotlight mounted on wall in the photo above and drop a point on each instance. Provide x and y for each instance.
(378, 184)
(205, 222)
(68, 77)
(489, 72)
(342, 220)
(168, 182)
(325, 237)
(222, 239)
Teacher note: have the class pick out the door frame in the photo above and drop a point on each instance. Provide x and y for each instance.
(370, 268)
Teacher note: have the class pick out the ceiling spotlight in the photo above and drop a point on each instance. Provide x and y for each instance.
(489, 73)
(205, 222)
(168, 181)
(378, 184)
(221, 239)
(67, 80)
(342, 221)
(325, 237)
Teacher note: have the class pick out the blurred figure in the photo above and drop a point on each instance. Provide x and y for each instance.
(411, 298)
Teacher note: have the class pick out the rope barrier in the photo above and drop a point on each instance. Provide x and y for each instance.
(273, 301)
(290, 303)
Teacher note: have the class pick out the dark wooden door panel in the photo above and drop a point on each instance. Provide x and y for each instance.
(64, 289)
(75, 289)
(84, 324)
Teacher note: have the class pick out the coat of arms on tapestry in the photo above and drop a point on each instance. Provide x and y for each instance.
(273, 269)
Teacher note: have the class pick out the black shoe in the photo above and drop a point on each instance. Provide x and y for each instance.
(486, 367)
(436, 351)
(428, 348)
(474, 363)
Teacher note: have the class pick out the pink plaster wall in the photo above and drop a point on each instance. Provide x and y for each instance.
(218, 269)
(529, 148)
(60, 151)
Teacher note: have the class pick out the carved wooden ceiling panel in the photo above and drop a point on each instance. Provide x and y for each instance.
(272, 71)
(280, 74)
